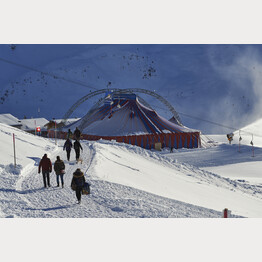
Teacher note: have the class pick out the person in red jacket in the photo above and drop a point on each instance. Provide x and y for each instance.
(46, 166)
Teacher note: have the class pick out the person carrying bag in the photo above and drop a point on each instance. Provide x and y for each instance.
(77, 183)
(59, 168)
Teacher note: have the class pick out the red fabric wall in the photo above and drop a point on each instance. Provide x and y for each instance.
(189, 140)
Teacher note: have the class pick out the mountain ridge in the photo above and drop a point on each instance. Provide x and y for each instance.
(209, 82)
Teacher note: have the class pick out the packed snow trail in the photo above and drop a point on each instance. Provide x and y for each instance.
(28, 198)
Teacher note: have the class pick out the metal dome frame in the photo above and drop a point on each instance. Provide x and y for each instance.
(120, 91)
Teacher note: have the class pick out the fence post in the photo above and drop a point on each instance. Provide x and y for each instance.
(14, 149)
(240, 138)
(253, 152)
(55, 133)
(226, 213)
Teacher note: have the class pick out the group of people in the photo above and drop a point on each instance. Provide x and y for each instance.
(76, 134)
(78, 179)
(77, 146)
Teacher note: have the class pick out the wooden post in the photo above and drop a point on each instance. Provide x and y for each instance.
(55, 132)
(253, 152)
(240, 138)
(225, 213)
(14, 149)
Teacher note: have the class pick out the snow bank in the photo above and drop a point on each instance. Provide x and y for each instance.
(164, 176)
(28, 148)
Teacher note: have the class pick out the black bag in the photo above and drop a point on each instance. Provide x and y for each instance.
(86, 189)
(73, 185)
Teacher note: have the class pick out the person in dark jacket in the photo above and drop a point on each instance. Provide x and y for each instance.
(78, 182)
(77, 134)
(67, 146)
(69, 134)
(59, 168)
(77, 147)
(46, 166)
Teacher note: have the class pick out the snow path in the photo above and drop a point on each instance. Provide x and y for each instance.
(28, 198)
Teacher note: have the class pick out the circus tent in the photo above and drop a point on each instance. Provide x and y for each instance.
(124, 118)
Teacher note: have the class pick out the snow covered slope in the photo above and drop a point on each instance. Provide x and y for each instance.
(219, 83)
(126, 181)
(28, 146)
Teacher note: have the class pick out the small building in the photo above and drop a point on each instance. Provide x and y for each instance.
(59, 123)
(29, 125)
(10, 120)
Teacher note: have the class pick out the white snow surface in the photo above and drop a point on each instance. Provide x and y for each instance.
(128, 181)
(9, 119)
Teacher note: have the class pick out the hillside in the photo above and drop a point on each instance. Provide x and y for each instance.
(190, 77)
(128, 181)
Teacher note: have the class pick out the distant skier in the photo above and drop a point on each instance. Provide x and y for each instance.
(77, 183)
(67, 146)
(59, 168)
(69, 134)
(46, 166)
(77, 147)
(77, 134)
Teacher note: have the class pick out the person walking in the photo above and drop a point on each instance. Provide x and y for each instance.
(69, 134)
(77, 134)
(77, 183)
(59, 168)
(46, 166)
(67, 146)
(77, 147)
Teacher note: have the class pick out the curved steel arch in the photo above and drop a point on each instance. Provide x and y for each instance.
(80, 101)
(138, 90)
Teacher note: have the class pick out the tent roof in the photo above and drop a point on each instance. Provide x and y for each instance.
(124, 115)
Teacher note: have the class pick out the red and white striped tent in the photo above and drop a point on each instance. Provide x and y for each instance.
(124, 119)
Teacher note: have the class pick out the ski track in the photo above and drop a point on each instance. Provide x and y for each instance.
(29, 199)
